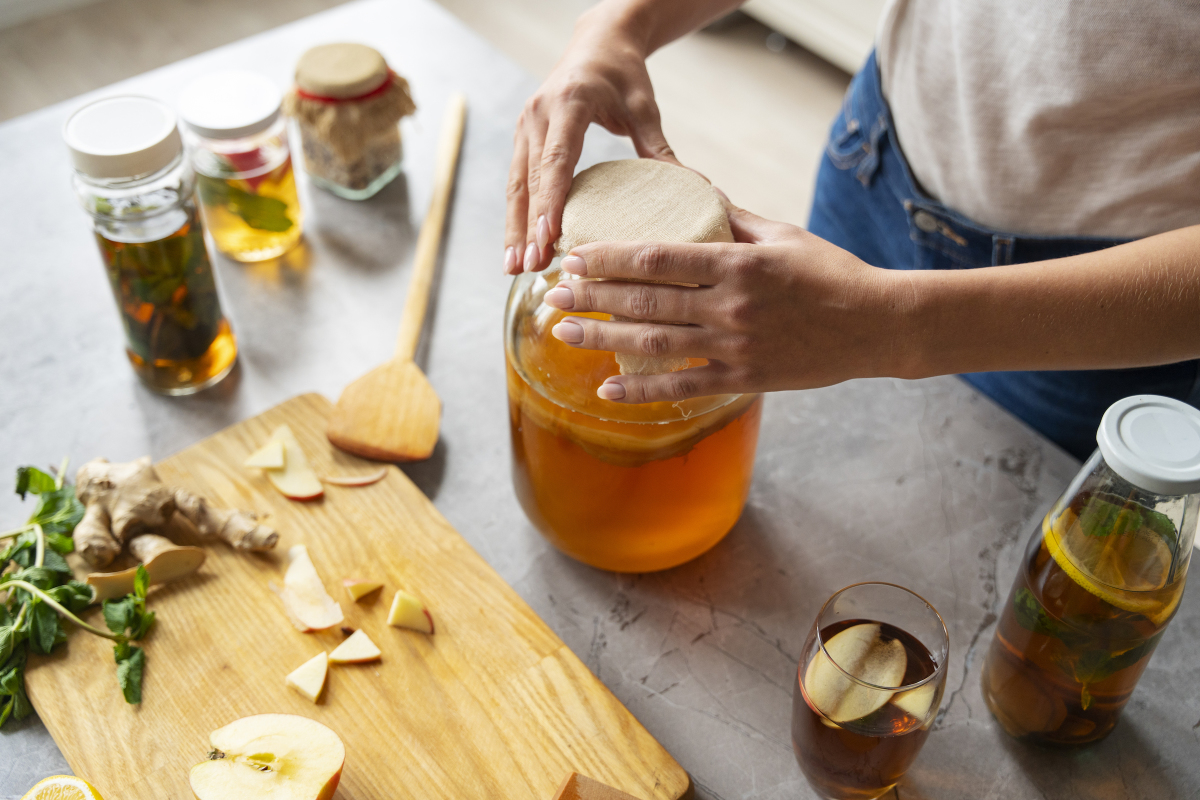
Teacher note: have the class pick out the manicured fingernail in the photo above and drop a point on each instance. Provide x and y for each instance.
(510, 260)
(560, 297)
(531, 257)
(543, 232)
(611, 391)
(570, 332)
(574, 265)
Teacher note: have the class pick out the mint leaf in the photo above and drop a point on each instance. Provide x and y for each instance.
(44, 628)
(141, 582)
(118, 614)
(131, 664)
(33, 481)
(258, 211)
(60, 543)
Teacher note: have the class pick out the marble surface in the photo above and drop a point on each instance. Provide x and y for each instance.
(923, 483)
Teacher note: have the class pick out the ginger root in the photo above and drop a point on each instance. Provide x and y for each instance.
(127, 500)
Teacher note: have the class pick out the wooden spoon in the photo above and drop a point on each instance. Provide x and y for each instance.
(392, 412)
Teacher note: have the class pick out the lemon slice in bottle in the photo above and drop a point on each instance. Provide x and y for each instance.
(63, 787)
(1125, 570)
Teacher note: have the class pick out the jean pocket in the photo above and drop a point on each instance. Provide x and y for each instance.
(848, 143)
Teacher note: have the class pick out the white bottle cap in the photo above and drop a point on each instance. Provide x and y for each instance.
(122, 137)
(230, 104)
(1153, 442)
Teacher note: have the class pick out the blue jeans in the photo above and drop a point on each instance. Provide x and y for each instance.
(867, 202)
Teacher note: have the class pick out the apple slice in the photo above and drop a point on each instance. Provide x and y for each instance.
(409, 612)
(271, 757)
(308, 605)
(309, 678)
(861, 651)
(296, 480)
(355, 480)
(358, 588)
(358, 649)
(269, 456)
(916, 702)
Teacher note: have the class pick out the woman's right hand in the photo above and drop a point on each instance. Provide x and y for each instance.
(601, 78)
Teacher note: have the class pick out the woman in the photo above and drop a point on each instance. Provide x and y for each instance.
(1011, 192)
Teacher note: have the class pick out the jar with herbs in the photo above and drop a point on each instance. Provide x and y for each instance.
(133, 177)
(238, 141)
(348, 104)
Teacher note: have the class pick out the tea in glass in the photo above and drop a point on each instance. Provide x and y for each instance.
(867, 690)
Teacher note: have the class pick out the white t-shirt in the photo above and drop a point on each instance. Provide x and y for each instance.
(1051, 117)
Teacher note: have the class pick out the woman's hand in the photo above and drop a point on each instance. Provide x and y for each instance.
(781, 309)
(601, 78)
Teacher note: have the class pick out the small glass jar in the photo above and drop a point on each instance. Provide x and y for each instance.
(623, 487)
(238, 141)
(132, 176)
(347, 105)
(1100, 580)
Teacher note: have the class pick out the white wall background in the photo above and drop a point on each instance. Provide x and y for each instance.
(14, 12)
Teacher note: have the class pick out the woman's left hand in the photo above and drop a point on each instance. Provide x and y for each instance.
(780, 309)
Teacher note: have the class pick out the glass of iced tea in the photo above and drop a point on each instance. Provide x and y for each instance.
(868, 689)
(1100, 580)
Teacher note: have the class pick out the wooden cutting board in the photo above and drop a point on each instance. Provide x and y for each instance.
(492, 706)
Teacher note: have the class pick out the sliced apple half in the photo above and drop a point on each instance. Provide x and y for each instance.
(308, 605)
(916, 702)
(861, 651)
(358, 588)
(296, 480)
(269, 456)
(309, 678)
(409, 612)
(358, 649)
(270, 757)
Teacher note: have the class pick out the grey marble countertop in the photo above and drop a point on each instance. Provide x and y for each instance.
(922, 483)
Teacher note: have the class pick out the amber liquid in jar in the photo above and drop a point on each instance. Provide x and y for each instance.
(177, 338)
(613, 485)
(861, 759)
(1089, 605)
(255, 215)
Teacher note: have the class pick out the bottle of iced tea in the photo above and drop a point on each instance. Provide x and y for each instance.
(133, 178)
(1100, 579)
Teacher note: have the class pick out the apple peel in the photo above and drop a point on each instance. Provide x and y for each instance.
(355, 480)
(308, 605)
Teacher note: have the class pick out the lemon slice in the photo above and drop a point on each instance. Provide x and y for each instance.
(63, 787)
(1126, 570)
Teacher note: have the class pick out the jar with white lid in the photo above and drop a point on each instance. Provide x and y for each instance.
(133, 177)
(348, 104)
(1100, 579)
(238, 141)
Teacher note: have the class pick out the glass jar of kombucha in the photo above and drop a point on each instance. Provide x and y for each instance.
(238, 141)
(1100, 579)
(132, 176)
(630, 488)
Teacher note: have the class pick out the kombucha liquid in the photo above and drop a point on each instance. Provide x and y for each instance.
(606, 483)
(1089, 606)
(865, 758)
(255, 215)
(177, 337)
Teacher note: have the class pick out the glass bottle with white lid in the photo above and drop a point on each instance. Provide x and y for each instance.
(238, 142)
(133, 177)
(1100, 579)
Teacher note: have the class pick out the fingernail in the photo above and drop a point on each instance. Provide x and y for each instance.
(543, 232)
(510, 260)
(560, 297)
(611, 391)
(572, 333)
(574, 265)
(531, 257)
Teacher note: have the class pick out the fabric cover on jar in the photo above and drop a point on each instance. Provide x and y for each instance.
(642, 199)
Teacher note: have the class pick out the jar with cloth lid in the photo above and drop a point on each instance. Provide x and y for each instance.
(624, 487)
(348, 105)
(133, 177)
(239, 144)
